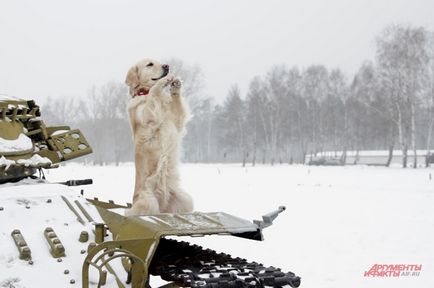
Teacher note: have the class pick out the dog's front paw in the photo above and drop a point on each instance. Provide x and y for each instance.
(160, 85)
(167, 81)
(175, 85)
(163, 82)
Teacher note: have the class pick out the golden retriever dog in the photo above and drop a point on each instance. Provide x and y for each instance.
(157, 115)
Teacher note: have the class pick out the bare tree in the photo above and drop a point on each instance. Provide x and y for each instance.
(402, 57)
(271, 114)
(253, 108)
(293, 106)
(428, 102)
(339, 92)
(106, 123)
(286, 113)
(376, 116)
(315, 88)
(234, 115)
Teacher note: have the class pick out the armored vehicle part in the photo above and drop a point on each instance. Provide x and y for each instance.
(118, 251)
(51, 236)
(51, 232)
(27, 144)
(142, 242)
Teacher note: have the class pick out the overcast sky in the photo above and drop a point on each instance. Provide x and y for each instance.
(61, 48)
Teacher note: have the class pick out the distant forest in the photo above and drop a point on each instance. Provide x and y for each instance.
(286, 114)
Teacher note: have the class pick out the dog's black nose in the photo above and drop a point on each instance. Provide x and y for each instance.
(166, 67)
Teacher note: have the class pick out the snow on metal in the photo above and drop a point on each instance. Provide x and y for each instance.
(31, 209)
(34, 161)
(22, 143)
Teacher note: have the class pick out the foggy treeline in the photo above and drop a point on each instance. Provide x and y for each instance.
(286, 113)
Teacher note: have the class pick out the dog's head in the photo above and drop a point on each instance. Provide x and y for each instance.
(142, 76)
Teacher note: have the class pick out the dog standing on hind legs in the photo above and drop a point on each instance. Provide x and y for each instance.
(157, 121)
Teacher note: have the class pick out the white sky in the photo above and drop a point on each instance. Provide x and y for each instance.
(61, 48)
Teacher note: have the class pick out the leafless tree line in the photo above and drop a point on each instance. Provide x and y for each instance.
(289, 112)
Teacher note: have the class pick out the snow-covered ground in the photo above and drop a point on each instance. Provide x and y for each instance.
(340, 221)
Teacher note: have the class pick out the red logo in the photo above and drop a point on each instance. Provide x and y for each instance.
(394, 270)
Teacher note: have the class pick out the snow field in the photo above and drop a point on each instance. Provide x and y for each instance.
(339, 221)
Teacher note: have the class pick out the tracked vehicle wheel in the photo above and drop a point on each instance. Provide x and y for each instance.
(191, 266)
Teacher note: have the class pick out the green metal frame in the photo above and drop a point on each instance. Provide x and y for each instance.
(136, 238)
(23, 117)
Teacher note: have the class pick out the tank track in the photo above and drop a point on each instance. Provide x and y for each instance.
(191, 266)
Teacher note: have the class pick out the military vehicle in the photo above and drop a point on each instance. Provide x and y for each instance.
(52, 236)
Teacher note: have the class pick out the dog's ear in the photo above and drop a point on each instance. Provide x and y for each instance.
(132, 79)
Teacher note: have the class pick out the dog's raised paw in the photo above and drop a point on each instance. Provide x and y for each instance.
(176, 83)
(163, 82)
(175, 86)
(168, 80)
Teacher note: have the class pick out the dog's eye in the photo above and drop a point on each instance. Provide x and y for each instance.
(150, 64)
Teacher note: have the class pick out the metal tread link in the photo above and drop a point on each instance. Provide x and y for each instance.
(191, 266)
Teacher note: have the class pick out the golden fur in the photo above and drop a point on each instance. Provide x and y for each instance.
(157, 123)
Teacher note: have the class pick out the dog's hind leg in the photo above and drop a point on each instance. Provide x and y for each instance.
(177, 200)
(180, 202)
(146, 203)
